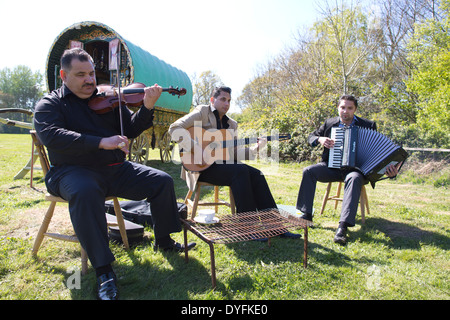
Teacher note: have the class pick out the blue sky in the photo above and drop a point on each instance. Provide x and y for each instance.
(231, 38)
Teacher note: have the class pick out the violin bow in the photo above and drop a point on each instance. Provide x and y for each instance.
(118, 86)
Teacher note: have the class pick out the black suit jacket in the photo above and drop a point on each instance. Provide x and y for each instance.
(325, 131)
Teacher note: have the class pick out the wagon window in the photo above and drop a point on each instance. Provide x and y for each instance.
(99, 51)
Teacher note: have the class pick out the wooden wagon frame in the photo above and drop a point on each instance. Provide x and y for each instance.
(136, 65)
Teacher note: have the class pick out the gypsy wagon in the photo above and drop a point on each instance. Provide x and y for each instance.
(115, 56)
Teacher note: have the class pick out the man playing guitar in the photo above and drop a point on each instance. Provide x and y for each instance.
(249, 186)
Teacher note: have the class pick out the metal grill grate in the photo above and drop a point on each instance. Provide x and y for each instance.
(249, 226)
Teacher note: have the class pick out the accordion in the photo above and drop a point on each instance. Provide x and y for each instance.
(365, 150)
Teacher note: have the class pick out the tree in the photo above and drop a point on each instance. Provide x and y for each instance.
(430, 52)
(204, 86)
(389, 97)
(21, 89)
(357, 50)
(22, 86)
(345, 35)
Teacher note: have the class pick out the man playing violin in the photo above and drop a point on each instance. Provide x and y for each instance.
(87, 153)
(248, 185)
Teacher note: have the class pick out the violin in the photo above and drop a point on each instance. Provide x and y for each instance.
(108, 97)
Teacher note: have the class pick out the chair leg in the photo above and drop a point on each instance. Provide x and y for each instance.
(44, 227)
(338, 195)
(363, 190)
(216, 198)
(232, 203)
(188, 201)
(196, 200)
(363, 204)
(84, 261)
(325, 199)
(188, 197)
(363, 219)
(121, 223)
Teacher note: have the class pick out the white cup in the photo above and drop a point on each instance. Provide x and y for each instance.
(206, 215)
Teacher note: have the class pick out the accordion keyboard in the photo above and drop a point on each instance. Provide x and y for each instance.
(336, 153)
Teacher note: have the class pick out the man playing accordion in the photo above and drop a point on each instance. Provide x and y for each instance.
(353, 180)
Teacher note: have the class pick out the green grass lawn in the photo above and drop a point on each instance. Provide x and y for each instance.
(401, 252)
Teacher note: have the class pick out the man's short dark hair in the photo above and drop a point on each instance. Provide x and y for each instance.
(76, 53)
(218, 90)
(349, 98)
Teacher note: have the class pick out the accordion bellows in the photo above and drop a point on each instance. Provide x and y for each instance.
(365, 150)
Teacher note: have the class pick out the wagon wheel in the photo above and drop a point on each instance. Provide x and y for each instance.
(139, 149)
(166, 146)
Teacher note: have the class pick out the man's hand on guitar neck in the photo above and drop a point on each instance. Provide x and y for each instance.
(262, 142)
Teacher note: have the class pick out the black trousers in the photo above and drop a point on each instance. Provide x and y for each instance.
(353, 182)
(85, 188)
(248, 185)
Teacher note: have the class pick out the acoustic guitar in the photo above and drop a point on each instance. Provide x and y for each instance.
(213, 145)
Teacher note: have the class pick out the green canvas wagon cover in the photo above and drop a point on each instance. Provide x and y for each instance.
(136, 64)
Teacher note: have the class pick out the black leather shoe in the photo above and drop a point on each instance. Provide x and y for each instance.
(341, 236)
(177, 247)
(106, 287)
(306, 216)
(290, 235)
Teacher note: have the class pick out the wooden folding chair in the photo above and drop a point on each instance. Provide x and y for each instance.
(363, 200)
(193, 204)
(111, 220)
